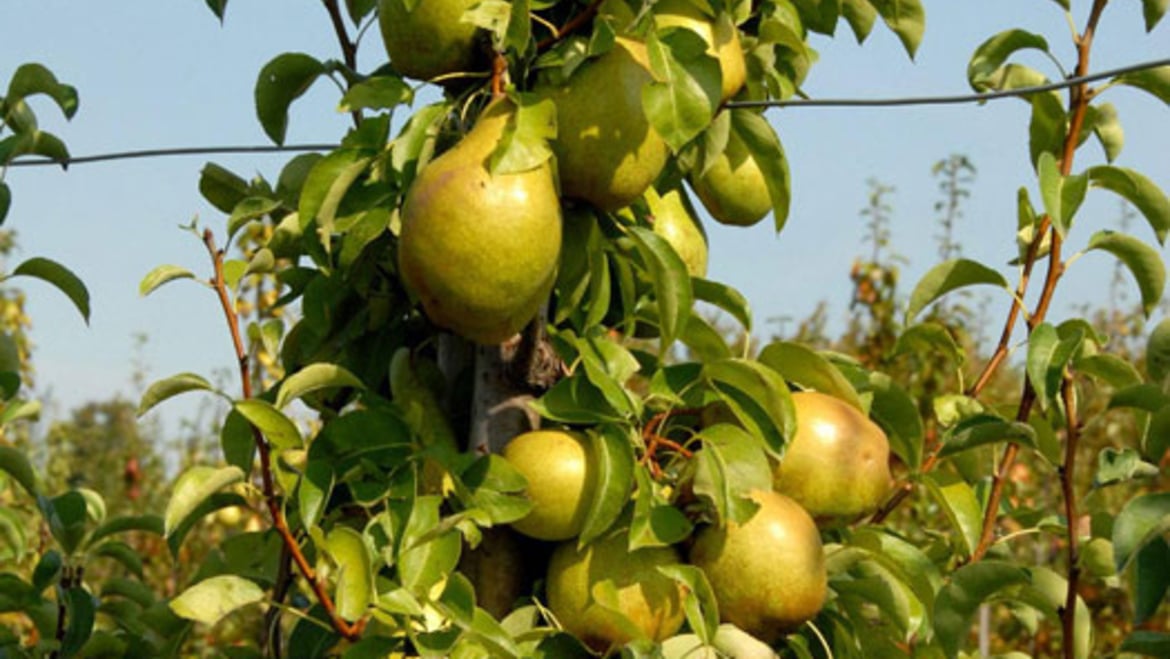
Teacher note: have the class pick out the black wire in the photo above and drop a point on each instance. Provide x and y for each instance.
(790, 103)
(950, 100)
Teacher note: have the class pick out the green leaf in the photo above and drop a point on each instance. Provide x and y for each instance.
(765, 148)
(575, 400)
(1158, 352)
(970, 586)
(860, 15)
(67, 515)
(672, 284)
(80, 612)
(281, 432)
(897, 413)
(161, 390)
(211, 599)
(355, 572)
(930, 338)
(59, 276)
(325, 186)
(728, 468)
(193, 487)
(315, 377)
(906, 18)
(947, 277)
(1155, 81)
(799, 364)
(314, 490)
(5, 201)
(426, 559)
(162, 275)
(14, 462)
(1062, 195)
(217, 7)
(724, 297)
(701, 608)
(282, 80)
(984, 429)
(655, 523)
(991, 55)
(524, 143)
(1110, 369)
(1142, 520)
(249, 209)
(1118, 466)
(145, 523)
(519, 27)
(1107, 128)
(1138, 190)
(33, 78)
(1153, 10)
(1143, 262)
(1151, 579)
(1048, 123)
(1048, 592)
(614, 460)
(962, 508)
(758, 397)
(221, 188)
(122, 553)
(382, 92)
(1048, 356)
(681, 102)
(1147, 643)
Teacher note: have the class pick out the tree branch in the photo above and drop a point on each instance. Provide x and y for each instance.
(272, 500)
(573, 24)
(1068, 614)
(348, 47)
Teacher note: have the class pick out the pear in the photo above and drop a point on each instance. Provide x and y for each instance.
(674, 219)
(429, 40)
(837, 464)
(650, 603)
(719, 32)
(480, 250)
(769, 573)
(561, 481)
(733, 189)
(607, 151)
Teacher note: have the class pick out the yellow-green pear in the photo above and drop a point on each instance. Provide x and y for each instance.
(650, 603)
(561, 481)
(769, 573)
(837, 464)
(733, 189)
(719, 32)
(480, 250)
(428, 40)
(607, 151)
(674, 219)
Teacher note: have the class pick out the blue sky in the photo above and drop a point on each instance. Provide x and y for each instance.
(155, 74)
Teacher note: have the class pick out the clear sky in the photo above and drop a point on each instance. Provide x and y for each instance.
(157, 74)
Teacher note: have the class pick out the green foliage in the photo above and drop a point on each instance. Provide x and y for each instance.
(368, 436)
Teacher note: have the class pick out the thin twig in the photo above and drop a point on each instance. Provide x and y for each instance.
(272, 500)
(348, 48)
(574, 24)
(499, 72)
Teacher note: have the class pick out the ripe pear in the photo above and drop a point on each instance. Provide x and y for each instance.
(430, 40)
(837, 464)
(719, 32)
(607, 151)
(733, 189)
(480, 250)
(650, 600)
(675, 220)
(561, 481)
(768, 574)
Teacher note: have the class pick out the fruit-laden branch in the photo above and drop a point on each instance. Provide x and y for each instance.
(345, 629)
(1068, 614)
(1079, 97)
(574, 24)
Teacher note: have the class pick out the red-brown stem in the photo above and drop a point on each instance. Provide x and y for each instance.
(348, 48)
(499, 71)
(272, 501)
(1068, 614)
(654, 440)
(571, 26)
(1078, 108)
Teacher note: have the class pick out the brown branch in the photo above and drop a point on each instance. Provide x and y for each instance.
(571, 26)
(1067, 473)
(279, 523)
(348, 47)
(1079, 96)
(499, 71)
(654, 440)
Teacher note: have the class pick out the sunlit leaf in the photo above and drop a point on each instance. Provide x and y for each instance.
(765, 148)
(16, 464)
(906, 18)
(962, 508)
(278, 428)
(315, 377)
(970, 586)
(166, 388)
(947, 277)
(211, 599)
(192, 487)
(797, 363)
(986, 429)
(1137, 189)
(613, 458)
(672, 284)
(681, 102)
(162, 275)
(355, 575)
(1140, 521)
(1143, 261)
(59, 276)
(994, 52)
(33, 78)
(1155, 81)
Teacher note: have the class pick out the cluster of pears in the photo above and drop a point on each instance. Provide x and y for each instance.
(479, 248)
(768, 574)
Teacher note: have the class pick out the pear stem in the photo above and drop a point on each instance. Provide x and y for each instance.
(574, 24)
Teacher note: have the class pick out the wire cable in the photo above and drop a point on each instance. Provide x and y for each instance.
(789, 103)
